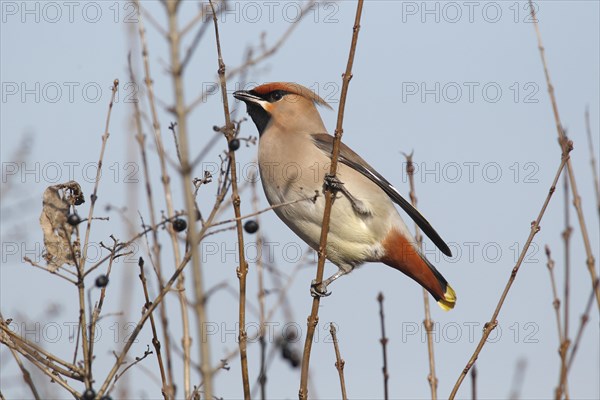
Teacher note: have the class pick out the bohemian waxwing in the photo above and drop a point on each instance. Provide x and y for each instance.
(294, 154)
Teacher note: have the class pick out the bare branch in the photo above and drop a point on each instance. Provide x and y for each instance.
(383, 341)
(493, 322)
(339, 362)
(564, 143)
(427, 322)
(314, 314)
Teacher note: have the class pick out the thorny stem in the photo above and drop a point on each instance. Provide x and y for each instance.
(563, 143)
(314, 314)
(427, 322)
(242, 270)
(493, 322)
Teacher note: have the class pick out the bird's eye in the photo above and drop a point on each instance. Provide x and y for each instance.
(276, 96)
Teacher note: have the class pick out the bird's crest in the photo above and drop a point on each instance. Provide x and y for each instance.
(291, 87)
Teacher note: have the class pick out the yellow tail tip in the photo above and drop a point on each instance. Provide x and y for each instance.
(449, 300)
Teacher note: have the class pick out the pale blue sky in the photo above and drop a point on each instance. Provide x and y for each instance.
(460, 84)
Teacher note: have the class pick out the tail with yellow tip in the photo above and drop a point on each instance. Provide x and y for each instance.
(449, 300)
(405, 257)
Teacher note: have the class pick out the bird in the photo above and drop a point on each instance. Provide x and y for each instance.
(294, 156)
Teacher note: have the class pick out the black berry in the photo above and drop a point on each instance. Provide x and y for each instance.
(287, 353)
(89, 394)
(295, 360)
(251, 226)
(102, 281)
(234, 144)
(179, 224)
(73, 219)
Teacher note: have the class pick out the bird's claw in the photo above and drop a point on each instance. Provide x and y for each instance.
(318, 289)
(333, 183)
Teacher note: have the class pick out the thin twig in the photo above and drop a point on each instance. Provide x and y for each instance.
(242, 270)
(280, 302)
(15, 343)
(588, 130)
(197, 37)
(273, 49)
(314, 314)
(427, 322)
(563, 345)
(158, 300)
(384, 342)
(493, 322)
(24, 371)
(98, 307)
(563, 342)
(567, 244)
(166, 183)
(36, 265)
(87, 357)
(264, 210)
(167, 384)
(555, 301)
(50, 373)
(155, 341)
(265, 54)
(24, 347)
(474, 382)
(585, 317)
(262, 377)
(147, 352)
(339, 362)
(518, 379)
(563, 141)
(181, 114)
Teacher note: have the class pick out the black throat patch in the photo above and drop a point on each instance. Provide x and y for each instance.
(259, 115)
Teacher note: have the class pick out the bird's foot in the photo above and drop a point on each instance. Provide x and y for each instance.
(334, 184)
(318, 289)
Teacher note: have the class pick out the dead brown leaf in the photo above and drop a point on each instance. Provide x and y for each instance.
(57, 201)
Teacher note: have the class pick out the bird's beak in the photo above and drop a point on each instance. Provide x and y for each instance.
(252, 101)
(247, 97)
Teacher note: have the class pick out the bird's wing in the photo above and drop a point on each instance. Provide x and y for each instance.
(324, 142)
